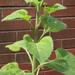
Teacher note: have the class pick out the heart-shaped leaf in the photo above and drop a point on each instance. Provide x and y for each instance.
(50, 9)
(22, 14)
(41, 50)
(52, 24)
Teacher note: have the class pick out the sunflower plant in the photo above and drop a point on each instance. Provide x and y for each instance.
(41, 48)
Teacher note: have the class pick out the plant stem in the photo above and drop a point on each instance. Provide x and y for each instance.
(42, 65)
(35, 39)
(29, 57)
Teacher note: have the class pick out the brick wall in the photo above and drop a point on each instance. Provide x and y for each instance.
(11, 31)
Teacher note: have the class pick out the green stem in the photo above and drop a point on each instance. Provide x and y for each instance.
(42, 65)
(29, 57)
(35, 39)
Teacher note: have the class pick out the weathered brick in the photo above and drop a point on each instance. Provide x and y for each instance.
(70, 22)
(25, 66)
(41, 73)
(6, 58)
(66, 12)
(7, 36)
(21, 57)
(3, 49)
(68, 2)
(57, 44)
(52, 72)
(68, 43)
(14, 25)
(0, 13)
(13, 3)
(52, 2)
(31, 11)
(52, 56)
(67, 33)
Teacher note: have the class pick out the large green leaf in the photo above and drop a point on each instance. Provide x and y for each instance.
(41, 50)
(22, 14)
(50, 9)
(35, 2)
(52, 24)
(17, 45)
(64, 62)
(12, 69)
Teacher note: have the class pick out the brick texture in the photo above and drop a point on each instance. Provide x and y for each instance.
(14, 25)
(0, 13)
(14, 30)
(69, 2)
(64, 34)
(6, 58)
(70, 22)
(13, 3)
(66, 12)
(7, 36)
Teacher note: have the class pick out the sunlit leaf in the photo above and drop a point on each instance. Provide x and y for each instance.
(52, 24)
(50, 9)
(22, 14)
(41, 50)
(64, 62)
(17, 45)
(35, 2)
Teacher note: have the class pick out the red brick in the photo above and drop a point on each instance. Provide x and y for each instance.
(25, 66)
(0, 13)
(1, 66)
(66, 12)
(52, 2)
(52, 72)
(41, 73)
(57, 44)
(7, 36)
(68, 43)
(72, 51)
(67, 33)
(22, 33)
(53, 55)
(14, 25)
(21, 57)
(6, 58)
(70, 22)
(3, 49)
(13, 3)
(31, 11)
(68, 2)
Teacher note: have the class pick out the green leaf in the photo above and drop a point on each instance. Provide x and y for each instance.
(41, 50)
(64, 62)
(35, 2)
(50, 9)
(22, 14)
(16, 46)
(12, 69)
(52, 24)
